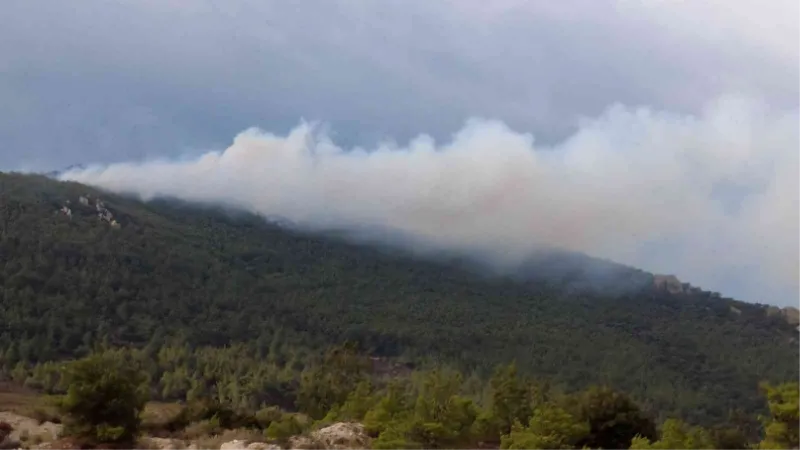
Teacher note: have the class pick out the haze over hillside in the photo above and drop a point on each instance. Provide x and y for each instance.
(640, 187)
(662, 135)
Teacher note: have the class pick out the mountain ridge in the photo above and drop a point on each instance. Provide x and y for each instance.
(213, 277)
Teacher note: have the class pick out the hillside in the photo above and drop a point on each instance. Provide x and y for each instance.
(165, 272)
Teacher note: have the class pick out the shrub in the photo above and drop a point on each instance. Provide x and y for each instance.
(104, 400)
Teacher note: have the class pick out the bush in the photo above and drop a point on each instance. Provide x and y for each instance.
(550, 427)
(213, 412)
(614, 419)
(104, 400)
(284, 428)
(676, 434)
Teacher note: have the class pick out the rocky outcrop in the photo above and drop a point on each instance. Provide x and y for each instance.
(790, 314)
(238, 444)
(342, 435)
(14, 430)
(21, 428)
(102, 212)
(670, 283)
(339, 436)
(673, 285)
(164, 443)
(66, 211)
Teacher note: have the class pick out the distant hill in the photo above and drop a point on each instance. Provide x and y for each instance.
(79, 266)
(56, 173)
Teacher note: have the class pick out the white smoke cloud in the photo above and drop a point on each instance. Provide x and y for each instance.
(712, 198)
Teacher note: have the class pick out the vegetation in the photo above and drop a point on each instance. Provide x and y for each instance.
(226, 309)
(435, 408)
(105, 397)
(781, 426)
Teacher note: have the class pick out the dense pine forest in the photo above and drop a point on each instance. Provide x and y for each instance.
(223, 307)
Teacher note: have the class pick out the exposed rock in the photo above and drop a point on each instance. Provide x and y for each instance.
(342, 435)
(164, 443)
(235, 444)
(61, 444)
(104, 214)
(304, 443)
(25, 426)
(83, 200)
(263, 446)
(238, 444)
(669, 282)
(792, 315)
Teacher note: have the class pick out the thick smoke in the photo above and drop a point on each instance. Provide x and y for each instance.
(712, 198)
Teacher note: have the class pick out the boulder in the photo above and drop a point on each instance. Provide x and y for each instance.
(235, 444)
(263, 446)
(342, 435)
(164, 443)
(240, 444)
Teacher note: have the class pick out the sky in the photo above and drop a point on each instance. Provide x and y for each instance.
(661, 134)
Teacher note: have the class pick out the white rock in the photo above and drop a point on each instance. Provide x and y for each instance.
(235, 444)
(165, 443)
(304, 443)
(240, 444)
(263, 446)
(342, 435)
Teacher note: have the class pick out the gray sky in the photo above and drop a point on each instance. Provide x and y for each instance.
(104, 82)
(114, 80)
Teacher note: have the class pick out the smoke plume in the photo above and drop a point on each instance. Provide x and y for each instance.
(712, 197)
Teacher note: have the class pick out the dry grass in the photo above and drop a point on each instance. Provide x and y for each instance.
(21, 401)
(158, 414)
(26, 402)
(17, 399)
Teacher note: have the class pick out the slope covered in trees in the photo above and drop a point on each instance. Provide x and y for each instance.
(199, 282)
(103, 397)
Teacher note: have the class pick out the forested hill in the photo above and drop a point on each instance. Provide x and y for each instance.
(79, 267)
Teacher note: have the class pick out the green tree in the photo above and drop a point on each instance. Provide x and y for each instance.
(550, 427)
(729, 437)
(676, 434)
(393, 407)
(510, 399)
(104, 400)
(614, 419)
(781, 427)
(438, 417)
(328, 385)
(358, 403)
